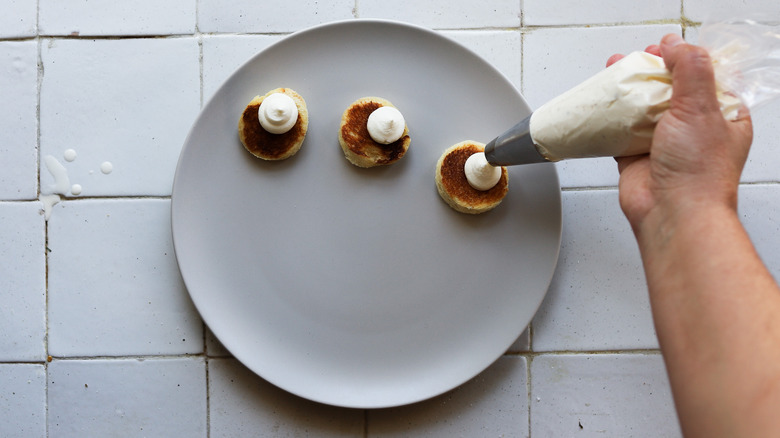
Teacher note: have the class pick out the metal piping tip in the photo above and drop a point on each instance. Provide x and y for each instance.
(515, 146)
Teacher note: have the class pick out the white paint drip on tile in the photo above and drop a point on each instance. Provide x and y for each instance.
(70, 155)
(106, 167)
(75, 189)
(60, 174)
(48, 201)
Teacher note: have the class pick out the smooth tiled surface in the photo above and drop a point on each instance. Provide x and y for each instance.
(127, 397)
(131, 17)
(22, 282)
(242, 404)
(601, 395)
(97, 334)
(18, 19)
(130, 102)
(559, 12)
(247, 16)
(703, 10)
(588, 308)
(443, 14)
(108, 295)
(22, 400)
(18, 127)
(469, 410)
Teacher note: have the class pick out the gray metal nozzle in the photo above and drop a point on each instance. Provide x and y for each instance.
(514, 146)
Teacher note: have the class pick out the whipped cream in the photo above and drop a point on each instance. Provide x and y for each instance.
(480, 174)
(386, 125)
(278, 113)
(613, 113)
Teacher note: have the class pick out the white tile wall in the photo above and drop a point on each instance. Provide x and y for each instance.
(18, 125)
(18, 18)
(129, 17)
(624, 395)
(22, 400)
(97, 334)
(444, 14)
(248, 16)
(130, 102)
(469, 410)
(704, 10)
(242, 404)
(588, 308)
(114, 288)
(127, 397)
(22, 282)
(560, 12)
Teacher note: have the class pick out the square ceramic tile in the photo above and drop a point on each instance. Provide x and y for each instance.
(126, 102)
(759, 209)
(23, 400)
(559, 12)
(243, 404)
(22, 282)
(500, 48)
(706, 10)
(247, 16)
(555, 60)
(114, 286)
(18, 18)
(128, 397)
(495, 403)
(444, 14)
(18, 125)
(598, 297)
(624, 395)
(223, 54)
(129, 17)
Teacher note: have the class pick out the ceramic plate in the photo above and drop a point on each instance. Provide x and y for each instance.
(361, 287)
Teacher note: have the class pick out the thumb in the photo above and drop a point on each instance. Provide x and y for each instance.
(693, 80)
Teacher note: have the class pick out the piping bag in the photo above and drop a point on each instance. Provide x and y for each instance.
(614, 113)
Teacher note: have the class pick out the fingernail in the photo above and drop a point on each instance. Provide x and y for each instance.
(673, 40)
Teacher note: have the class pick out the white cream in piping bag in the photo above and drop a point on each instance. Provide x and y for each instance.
(386, 125)
(480, 174)
(278, 113)
(613, 113)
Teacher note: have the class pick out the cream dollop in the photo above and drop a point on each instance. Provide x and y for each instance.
(278, 113)
(480, 174)
(386, 125)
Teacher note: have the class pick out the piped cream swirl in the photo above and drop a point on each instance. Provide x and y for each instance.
(480, 174)
(278, 113)
(386, 125)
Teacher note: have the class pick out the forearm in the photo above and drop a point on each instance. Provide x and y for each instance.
(710, 293)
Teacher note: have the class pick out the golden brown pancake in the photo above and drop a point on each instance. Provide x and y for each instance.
(455, 189)
(357, 144)
(264, 144)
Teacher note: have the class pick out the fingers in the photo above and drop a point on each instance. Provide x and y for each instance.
(614, 58)
(692, 75)
(651, 49)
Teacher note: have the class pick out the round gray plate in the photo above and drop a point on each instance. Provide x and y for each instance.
(361, 287)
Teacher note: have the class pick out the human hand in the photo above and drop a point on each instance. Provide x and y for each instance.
(696, 157)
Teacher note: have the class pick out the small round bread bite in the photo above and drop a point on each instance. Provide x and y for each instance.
(359, 145)
(454, 187)
(276, 130)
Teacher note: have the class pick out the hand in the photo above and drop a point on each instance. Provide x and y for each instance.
(696, 156)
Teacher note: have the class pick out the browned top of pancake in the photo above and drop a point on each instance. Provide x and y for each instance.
(261, 142)
(355, 134)
(453, 178)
